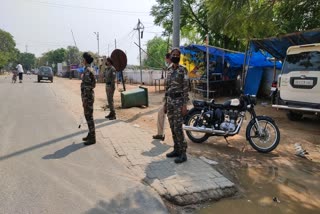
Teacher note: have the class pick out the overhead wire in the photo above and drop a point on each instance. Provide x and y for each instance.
(120, 12)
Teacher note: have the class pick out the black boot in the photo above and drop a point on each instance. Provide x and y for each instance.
(181, 158)
(90, 140)
(174, 153)
(86, 138)
(111, 116)
(159, 137)
(107, 117)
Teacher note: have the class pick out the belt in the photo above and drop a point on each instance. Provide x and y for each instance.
(175, 95)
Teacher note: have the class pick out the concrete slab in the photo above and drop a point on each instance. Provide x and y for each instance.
(191, 182)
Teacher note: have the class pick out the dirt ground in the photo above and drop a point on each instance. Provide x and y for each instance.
(279, 182)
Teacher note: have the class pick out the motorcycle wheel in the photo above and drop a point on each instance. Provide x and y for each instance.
(270, 137)
(192, 120)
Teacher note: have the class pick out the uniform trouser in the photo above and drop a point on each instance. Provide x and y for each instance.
(87, 103)
(160, 121)
(174, 112)
(110, 92)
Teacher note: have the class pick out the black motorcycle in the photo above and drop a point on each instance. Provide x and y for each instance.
(208, 118)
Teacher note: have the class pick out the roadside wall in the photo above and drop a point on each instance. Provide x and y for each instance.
(148, 76)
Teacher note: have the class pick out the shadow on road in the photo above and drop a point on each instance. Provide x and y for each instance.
(159, 149)
(47, 143)
(61, 153)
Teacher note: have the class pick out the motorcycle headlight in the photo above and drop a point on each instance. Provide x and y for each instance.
(253, 100)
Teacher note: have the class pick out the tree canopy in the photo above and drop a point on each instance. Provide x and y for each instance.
(27, 60)
(73, 55)
(156, 51)
(232, 23)
(7, 48)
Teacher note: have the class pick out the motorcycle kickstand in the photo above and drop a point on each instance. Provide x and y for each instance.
(225, 137)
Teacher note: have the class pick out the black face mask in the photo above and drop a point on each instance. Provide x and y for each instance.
(175, 59)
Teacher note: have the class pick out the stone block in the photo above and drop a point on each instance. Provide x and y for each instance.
(171, 190)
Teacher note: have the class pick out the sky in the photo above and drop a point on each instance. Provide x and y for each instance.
(39, 26)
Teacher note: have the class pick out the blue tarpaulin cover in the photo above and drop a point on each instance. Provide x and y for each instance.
(236, 59)
(277, 46)
(253, 80)
(256, 61)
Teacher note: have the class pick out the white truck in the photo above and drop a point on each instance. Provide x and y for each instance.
(298, 85)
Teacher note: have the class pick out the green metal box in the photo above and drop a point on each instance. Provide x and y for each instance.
(135, 97)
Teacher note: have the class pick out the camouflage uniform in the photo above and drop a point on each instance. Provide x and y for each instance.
(110, 76)
(176, 97)
(87, 95)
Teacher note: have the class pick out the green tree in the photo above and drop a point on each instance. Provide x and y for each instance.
(247, 19)
(238, 21)
(232, 23)
(156, 50)
(193, 18)
(14, 59)
(7, 48)
(43, 60)
(73, 55)
(297, 15)
(194, 22)
(52, 58)
(27, 60)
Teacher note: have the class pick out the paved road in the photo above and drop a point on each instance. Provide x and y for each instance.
(44, 167)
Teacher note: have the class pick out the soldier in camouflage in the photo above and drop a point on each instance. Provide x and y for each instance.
(176, 105)
(110, 77)
(87, 95)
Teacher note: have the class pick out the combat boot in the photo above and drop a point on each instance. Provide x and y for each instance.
(90, 140)
(174, 153)
(112, 117)
(159, 137)
(111, 114)
(181, 158)
(86, 138)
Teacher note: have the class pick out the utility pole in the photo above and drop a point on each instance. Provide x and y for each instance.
(115, 43)
(75, 44)
(140, 27)
(97, 33)
(26, 48)
(108, 50)
(207, 45)
(176, 23)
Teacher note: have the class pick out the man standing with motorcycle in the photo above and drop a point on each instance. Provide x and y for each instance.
(176, 99)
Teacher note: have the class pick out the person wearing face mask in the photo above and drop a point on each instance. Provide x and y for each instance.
(87, 95)
(176, 99)
(161, 115)
(110, 77)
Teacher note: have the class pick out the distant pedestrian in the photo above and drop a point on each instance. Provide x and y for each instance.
(177, 88)
(14, 76)
(110, 77)
(20, 71)
(161, 114)
(87, 94)
(96, 68)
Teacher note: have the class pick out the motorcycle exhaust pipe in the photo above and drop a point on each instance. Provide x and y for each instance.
(203, 129)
